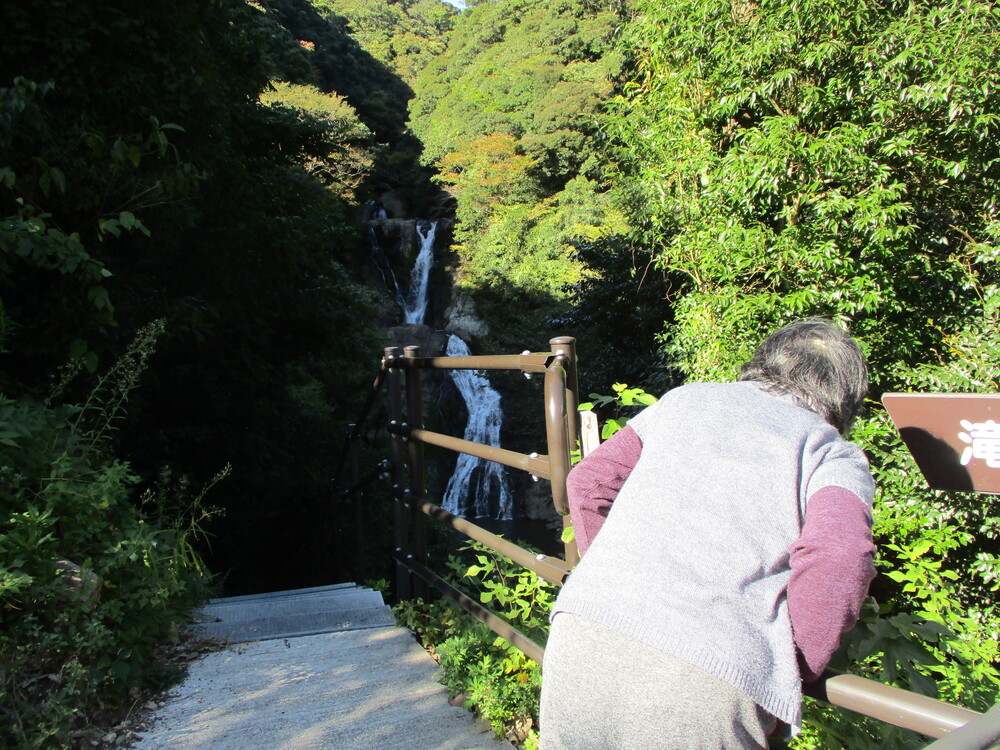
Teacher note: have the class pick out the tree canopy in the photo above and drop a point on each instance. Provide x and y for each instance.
(839, 158)
(506, 115)
(404, 35)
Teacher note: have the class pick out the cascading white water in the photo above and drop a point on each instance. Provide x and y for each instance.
(475, 481)
(383, 266)
(415, 302)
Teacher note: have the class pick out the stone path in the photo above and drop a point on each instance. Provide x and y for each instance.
(366, 685)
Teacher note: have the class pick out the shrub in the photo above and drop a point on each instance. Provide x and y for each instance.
(497, 679)
(92, 578)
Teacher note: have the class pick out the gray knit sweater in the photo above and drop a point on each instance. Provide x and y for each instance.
(693, 557)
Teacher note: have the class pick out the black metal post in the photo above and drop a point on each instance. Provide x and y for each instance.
(398, 470)
(414, 418)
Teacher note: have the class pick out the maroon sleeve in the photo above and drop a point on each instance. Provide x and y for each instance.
(831, 568)
(593, 483)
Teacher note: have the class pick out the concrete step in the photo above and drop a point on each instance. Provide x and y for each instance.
(289, 614)
(332, 588)
(368, 689)
(290, 605)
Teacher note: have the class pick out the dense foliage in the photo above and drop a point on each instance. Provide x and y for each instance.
(494, 678)
(506, 114)
(94, 576)
(402, 34)
(311, 44)
(141, 178)
(835, 158)
(840, 158)
(167, 190)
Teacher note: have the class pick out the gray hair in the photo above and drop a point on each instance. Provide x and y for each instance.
(816, 362)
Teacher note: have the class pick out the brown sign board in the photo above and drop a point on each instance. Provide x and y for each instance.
(954, 437)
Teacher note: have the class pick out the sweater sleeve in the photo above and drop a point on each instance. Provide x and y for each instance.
(831, 566)
(593, 484)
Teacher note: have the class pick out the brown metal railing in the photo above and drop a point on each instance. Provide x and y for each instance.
(408, 436)
(960, 728)
(895, 706)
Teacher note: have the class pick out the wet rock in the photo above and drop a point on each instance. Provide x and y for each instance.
(461, 318)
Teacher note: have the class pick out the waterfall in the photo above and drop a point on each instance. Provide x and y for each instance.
(378, 211)
(383, 265)
(415, 302)
(475, 480)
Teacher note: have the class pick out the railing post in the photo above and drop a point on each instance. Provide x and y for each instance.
(357, 499)
(414, 418)
(560, 394)
(398, 470)
(567, 346)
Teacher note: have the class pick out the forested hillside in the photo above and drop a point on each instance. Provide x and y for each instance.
(506, 116)
(188, 303)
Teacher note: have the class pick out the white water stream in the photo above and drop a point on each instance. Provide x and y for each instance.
(476, 482)
(477, 488)
(415, 301)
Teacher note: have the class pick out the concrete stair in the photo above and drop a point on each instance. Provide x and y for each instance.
(292, 613)
(351, 681)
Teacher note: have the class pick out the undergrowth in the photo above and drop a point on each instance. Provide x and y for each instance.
(495, 678)
(95, 576)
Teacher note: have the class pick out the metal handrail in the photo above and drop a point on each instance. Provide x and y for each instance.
(552, 569)
(555, 430)
(528, 362)
(410, 508)
(979, 734)
(893, 705)
(532, 463)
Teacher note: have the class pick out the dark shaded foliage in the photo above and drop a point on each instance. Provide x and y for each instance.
(620, 307)
(152, 122)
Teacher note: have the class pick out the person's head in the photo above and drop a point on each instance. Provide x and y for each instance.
(819, 364)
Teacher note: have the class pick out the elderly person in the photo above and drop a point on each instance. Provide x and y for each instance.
(726, 544)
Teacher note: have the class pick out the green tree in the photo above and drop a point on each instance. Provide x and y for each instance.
(506, 115)
(839, 158)
(404, 35)
(139, 186)
(343, 158)
(818, 157)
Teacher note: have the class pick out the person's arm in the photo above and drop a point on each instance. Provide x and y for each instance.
(593, 484)
(831, 568)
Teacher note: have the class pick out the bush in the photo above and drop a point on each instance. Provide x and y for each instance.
(497, 680)
(92, 578)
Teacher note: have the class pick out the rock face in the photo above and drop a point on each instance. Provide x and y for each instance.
(393, 204)
(432, 343)
(461, 319)
(397, 238)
